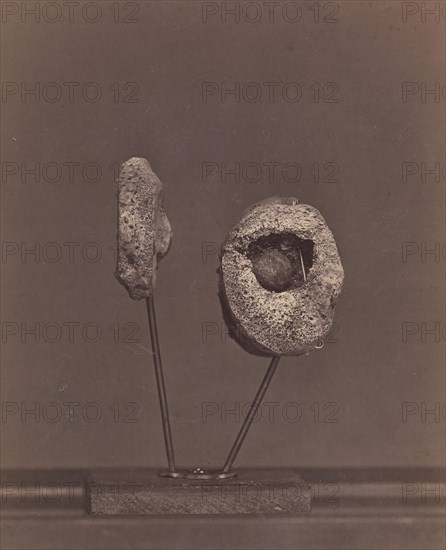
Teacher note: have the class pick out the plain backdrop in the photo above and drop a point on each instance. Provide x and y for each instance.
(365, 377)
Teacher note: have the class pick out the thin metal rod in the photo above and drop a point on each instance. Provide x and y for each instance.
(160, 383)
(251, 414)
(302, 266)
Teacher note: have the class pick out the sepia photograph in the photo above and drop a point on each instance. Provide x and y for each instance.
(223, 273)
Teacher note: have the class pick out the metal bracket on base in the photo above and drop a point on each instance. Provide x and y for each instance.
(197, 473)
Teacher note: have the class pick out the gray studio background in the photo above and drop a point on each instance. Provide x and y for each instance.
(366, 369)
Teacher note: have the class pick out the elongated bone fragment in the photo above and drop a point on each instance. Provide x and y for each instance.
(282, 276)
(144, 232)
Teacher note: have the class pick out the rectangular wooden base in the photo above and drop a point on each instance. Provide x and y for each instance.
(257, 492)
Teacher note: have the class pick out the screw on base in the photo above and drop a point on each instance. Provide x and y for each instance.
(197, 473)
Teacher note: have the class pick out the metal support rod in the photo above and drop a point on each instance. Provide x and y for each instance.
(251, 414)
(302, 266)
(160, 383)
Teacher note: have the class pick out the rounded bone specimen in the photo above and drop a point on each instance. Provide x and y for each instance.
(144, 232)
(282, 276)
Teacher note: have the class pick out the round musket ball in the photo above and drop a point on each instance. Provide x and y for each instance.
(273, 270)
(282, 277)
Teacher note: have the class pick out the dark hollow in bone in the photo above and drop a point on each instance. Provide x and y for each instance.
(276, 260)
(281, 276)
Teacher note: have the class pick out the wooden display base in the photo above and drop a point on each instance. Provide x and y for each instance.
(250, 492)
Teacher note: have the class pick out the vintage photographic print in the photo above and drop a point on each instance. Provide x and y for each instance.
(223, 275)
